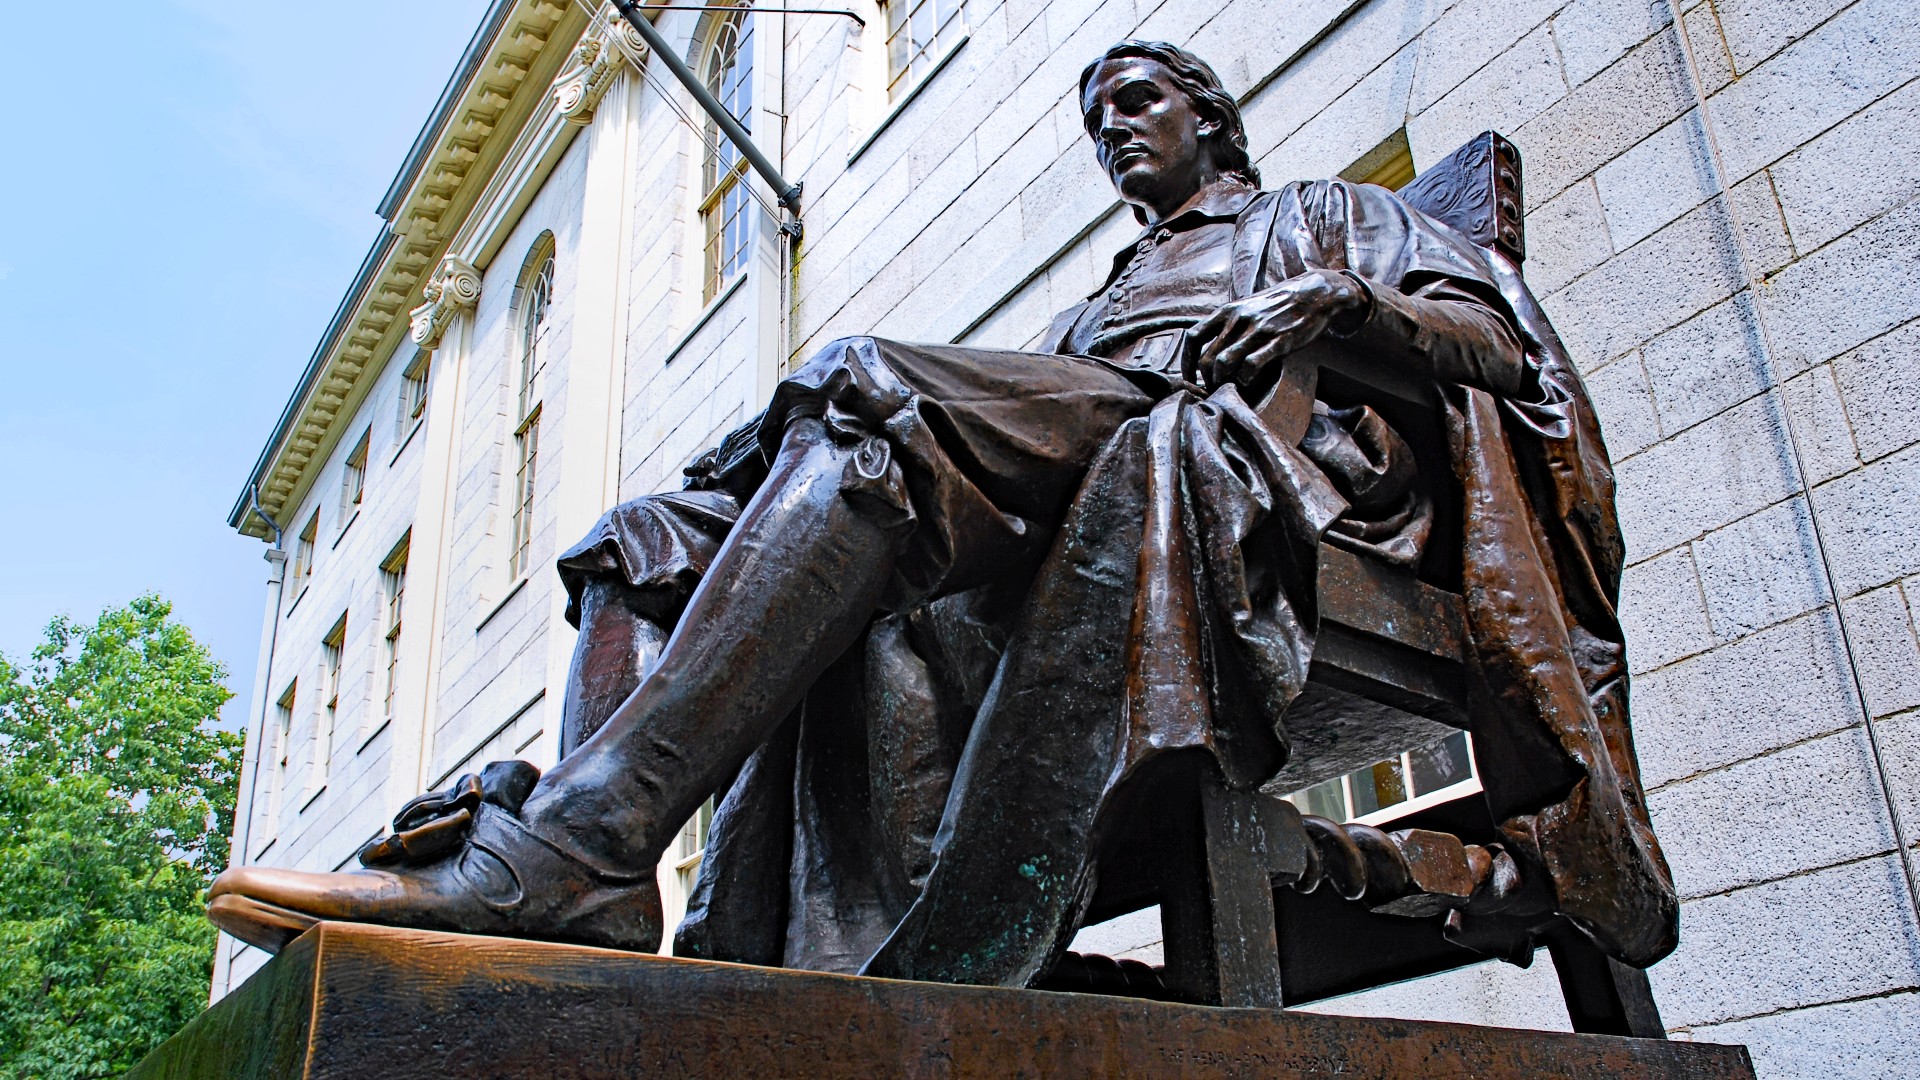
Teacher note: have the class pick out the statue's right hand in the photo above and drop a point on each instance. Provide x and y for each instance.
(1238, 341)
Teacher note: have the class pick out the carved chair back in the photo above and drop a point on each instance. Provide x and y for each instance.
(1234, 873)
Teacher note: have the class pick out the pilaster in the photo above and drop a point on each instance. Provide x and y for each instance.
(587, 483)
(416, 696)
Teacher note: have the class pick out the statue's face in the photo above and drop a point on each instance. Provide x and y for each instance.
(1146, 133)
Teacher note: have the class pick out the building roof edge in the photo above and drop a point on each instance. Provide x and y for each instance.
(310, 378)
(503, 74)
(450, 95)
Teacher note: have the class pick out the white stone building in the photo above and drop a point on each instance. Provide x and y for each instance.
(1722, 223)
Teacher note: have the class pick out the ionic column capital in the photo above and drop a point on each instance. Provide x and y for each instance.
(608, 43)
(453, 288)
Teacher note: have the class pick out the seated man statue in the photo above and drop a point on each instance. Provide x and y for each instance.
(925, 617)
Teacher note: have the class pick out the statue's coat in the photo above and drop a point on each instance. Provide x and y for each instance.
(933, 809)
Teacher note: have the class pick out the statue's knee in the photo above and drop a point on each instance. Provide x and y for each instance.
(858, 349)
(844, 369)
(857, 343)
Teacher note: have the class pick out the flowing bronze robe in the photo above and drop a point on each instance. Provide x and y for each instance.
(1102, 565)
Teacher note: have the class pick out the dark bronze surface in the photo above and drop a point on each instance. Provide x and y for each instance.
(1476, 190)
(370, 1003)
(980, 646)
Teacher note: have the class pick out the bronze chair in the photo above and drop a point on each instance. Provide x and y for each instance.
(1235, 874)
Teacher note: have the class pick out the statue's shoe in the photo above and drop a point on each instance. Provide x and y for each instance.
(495, 878)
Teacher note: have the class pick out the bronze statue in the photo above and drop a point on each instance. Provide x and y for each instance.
(932, 617)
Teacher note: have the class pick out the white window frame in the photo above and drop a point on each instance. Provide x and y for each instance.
(279, 760)
(353, 480)
(411, 402)
(533, 325)
(727, 213)
(305, 550)
(333, 651)
(691, 846)
(1413, 803)
(910, 54)
(393, 577)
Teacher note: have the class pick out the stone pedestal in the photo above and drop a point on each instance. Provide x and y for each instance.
(369, 1003)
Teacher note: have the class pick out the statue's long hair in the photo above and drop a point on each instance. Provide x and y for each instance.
(1192, 75)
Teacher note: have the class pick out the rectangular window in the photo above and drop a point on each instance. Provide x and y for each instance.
(528, 438)
(536, 303)
(333, 649)
(693, 845)
(413, 394)
(394, 571)
(353, 480)
(725, 212)
(303, 554)
(1396, 786)
(281, 758)
(725, 203)
(919, 35)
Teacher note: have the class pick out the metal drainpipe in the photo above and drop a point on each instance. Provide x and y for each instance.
(276, 557)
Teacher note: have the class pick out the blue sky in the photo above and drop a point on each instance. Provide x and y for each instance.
(189, 188)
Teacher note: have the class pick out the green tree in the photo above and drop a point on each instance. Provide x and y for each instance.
(116, 801)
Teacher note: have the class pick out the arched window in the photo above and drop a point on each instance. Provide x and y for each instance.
(536, 299)
(728, 69)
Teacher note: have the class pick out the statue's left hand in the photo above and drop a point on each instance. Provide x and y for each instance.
(1237, 342)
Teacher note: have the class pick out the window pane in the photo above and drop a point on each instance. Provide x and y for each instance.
(919, 33)
(714, 272)
(396, 586)
(1377, 787)
(1323, 800)
(693, 835)
(523, 506)
(729, 79)
(720, 60)
(1442, 764)
(729, 76)
(922, 26)
(740, 99)
(535, 301)
(1389, 783)
(897, 49)
(737, 221)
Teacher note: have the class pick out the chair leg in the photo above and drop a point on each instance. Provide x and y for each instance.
(1222, 946)
(1604, 996)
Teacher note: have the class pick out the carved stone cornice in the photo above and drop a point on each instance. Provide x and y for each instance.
(453, 288)
(606, 46)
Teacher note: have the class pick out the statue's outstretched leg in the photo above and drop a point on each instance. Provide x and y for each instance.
(616, 647)
(573, 859)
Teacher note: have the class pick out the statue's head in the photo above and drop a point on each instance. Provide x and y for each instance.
(1161, 123)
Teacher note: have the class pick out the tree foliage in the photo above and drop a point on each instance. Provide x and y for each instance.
(116, 799)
